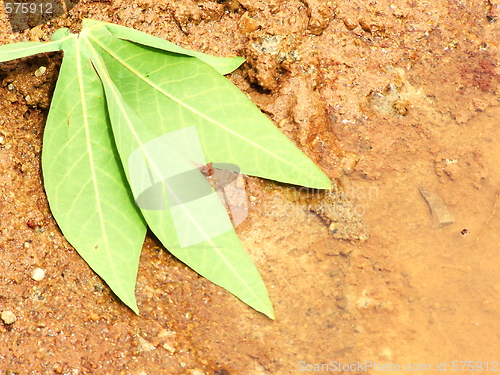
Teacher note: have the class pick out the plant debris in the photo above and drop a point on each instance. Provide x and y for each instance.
(440, 213)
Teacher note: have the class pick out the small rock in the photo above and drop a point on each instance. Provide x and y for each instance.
(248, 24)
(144, 345)
(8, 317)
(58, 368)
(37, 274)
(169, 348)
(319, 16)
(94, 317)
(195, 371)
(40, 71)
(166, 333)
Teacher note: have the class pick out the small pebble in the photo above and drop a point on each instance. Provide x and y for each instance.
(144, 345)
(195, 371)
(40, 71)
(37, 274)
(93, 316)
(169, 348)
(10, 86)
(8, 317)
(166, 333)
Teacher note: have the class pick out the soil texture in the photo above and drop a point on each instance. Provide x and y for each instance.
(385, 97)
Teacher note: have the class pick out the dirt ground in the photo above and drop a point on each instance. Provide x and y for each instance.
(385, 96)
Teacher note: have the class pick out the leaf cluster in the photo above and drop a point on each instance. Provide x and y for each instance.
(131, 118)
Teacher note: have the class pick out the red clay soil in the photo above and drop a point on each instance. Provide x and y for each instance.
(384, 96)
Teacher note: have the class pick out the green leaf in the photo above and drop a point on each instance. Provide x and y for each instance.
(173, 92)
(216, 252)
(132, 118)
(23, 49)
(84, 181)
(224, 65)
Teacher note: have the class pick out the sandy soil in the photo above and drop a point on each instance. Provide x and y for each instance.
(384, 96)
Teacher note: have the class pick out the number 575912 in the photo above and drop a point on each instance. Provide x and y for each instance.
(28, 8)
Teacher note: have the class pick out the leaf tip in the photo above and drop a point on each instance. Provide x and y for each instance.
(132, 305)
(321, 181)
(270, 314)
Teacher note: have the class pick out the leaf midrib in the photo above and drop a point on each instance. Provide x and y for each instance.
(86, 126)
